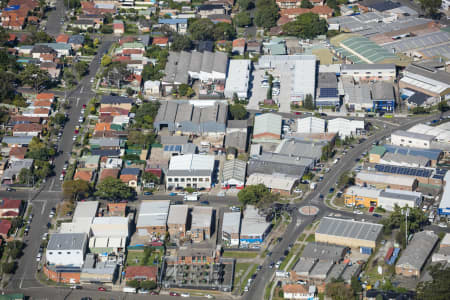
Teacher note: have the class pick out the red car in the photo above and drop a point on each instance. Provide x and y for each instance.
(371, 209)
(102, 289)
(84, 105)
(298, 113)
(174, 294)
(76, 131)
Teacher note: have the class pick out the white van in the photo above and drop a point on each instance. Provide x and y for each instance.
(128, 289)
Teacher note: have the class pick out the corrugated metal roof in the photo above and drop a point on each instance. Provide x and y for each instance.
(349, 229)
(267, 123)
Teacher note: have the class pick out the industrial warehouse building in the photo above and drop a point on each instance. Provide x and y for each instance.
(231, 227)
(368, 72)
(267, 128)
(311, 125)
(233, 173)
(382, 181)
(345, 127)
(350, 233)
(238, 79)
(413, 259)
(152, 218)
(190, 170)
(386, 199)
(411, 139)
(193, 117)
(177, 221)
(254, 228)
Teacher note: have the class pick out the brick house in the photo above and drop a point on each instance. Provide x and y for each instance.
(141, 273)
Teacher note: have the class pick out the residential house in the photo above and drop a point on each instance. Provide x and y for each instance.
(84, 174)
(118, 27)
(161, 41)
(76, 41)
(239, 46)
(117, 209)
(27, 129)
(116, 101)
(177, 25)
(206, 10)
(17, 153)
(10, 208)
(10, 175)
(105, 173)
(5, 227)
(130, 176)
(152, 88)
(141, 273)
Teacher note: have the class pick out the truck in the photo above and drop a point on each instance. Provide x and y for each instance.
(191, 197)
(313, 185)
(128, 289)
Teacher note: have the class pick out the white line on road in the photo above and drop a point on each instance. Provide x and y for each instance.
(78, 99)
(52, 184)
(43, 208)
(82, 87)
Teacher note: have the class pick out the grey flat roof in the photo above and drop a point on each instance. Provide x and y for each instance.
(317, 250)
(178, 214)
(304, 265)
(403, 195)
(153, 213)
(431, 73)
(234, 169)
(418, 250)
(321, 268)
(67, 241)
(174, 140)
(306, 149)
(201, 216)
(349, 228)
(87, 209)
(231, 222)
(382, 90)
(413, 135)
(189, 172)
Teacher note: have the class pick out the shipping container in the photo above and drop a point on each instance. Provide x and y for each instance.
(389, 254)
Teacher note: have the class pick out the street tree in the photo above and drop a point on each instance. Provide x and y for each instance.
(243, 19)
(238, 112)
(106, 60)
(82, 68)
(308, 103)
(133, 283)
(114, 189)
(306, 26)
(76, 189)
(258, 195)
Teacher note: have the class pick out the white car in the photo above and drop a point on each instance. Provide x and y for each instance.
(74, 138)
(92, 80)
(38, 257)
(209, 296)
(61, 177)
(185, 295)
(358, 212)
(443, 225)
(298, 191)
(141, 291)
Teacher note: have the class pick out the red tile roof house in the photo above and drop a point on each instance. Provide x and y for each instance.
(17, 153)
(86, 175)
(239, 46)
(5, 226)
(62, 38)
(114, 173)
(141, 273)
(119, 27)
(27, 129)
(10, 208)
(45, 96)
(161, 41)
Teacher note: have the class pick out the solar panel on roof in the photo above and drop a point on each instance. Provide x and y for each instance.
(166, 148)
(328, 92)
(178, 148)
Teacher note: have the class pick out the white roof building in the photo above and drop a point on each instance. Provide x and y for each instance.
(311, 125)
(441, 133)
(275, 182)
(411, 139)
(267, 127)
(231, 227)
(345, 127)
(152, 214)
(254, 227)
(66, 249)
(85, 212)
(75, 227)
(110, 227)
(233, 173)
(238, 79)
(444, 205)
(192, 162)
(303, 78)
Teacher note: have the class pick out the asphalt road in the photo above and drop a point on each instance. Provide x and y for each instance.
(53, 26)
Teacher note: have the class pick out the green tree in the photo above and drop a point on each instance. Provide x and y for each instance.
(327, 152)
(339, 291)
(306, 4)
(181, 43)
(148, 285)
(238, 112)
(346, 180)
(258, 195)
(356, 285)
(146, 113)
(38, 37)
(7, 87)
(431, 7)
(82, 68)
(69, 78)
(243, 19)
(150, 177)
(306, 26)
(266, 14)
(184, 90)
(60, 119)
(106, 60)
(33, 76)
(76, 189)
(137, 137)
(245, 4)
(133, 283)
(438, 288)
(201, 29)
(9, 267)
(26, 176)
(224, 31)
(42, 169)
(114, 189)
(308, 103)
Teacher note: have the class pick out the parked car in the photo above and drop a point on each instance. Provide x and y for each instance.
(185, 295)
(172, 194)
(10, 190)
(102, 289)
(204, 202)
(174, 294)
(147, 193)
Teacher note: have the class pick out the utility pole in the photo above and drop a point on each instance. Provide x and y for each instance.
(406, 225)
